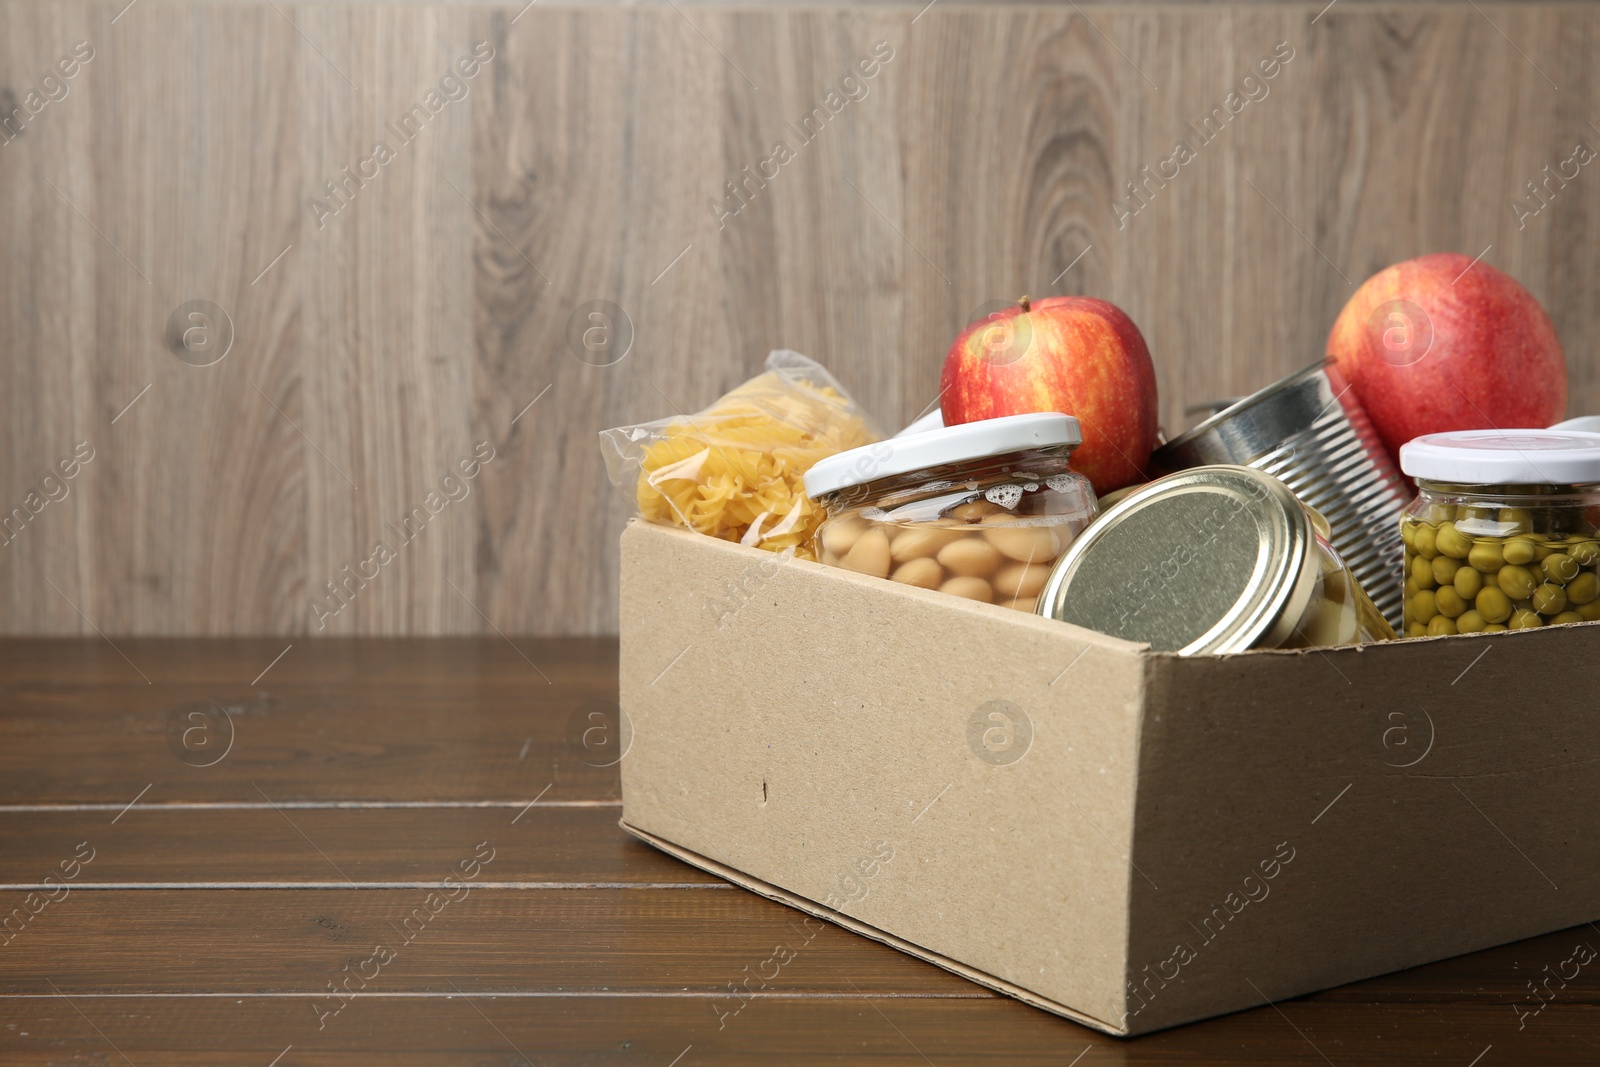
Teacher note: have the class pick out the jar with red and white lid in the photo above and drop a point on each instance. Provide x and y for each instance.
(982, 510)
(1504, 532)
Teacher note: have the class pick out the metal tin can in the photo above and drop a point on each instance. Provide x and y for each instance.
(1212, 560)
(1310, 432)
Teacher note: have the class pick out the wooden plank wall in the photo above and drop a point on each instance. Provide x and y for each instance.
(376, 345)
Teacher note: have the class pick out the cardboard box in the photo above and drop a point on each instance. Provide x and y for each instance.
(1129, 839)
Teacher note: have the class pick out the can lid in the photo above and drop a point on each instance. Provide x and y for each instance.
(937, 448)
(1211, 559)
(1504, 457)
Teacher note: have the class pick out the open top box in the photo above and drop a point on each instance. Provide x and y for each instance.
(1127, 838)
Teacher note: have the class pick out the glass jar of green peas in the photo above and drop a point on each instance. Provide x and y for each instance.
(1504, 533)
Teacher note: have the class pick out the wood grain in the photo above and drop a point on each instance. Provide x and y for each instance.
(167, 845)
(573, 939)
(986, 158)
(361, 720)
(1392, 1025)
(883, 1031)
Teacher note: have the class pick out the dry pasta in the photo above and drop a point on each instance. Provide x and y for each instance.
(734, 470)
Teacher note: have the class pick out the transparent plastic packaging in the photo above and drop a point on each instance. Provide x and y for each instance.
(1487, 558)
(735, 470)
(988, 530)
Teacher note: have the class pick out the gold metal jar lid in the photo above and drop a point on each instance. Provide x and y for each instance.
(1208, 560)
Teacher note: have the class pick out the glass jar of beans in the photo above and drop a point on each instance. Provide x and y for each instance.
(982, 510)
(1504, 533)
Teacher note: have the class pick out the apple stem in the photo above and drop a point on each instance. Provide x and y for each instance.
(1025, 304)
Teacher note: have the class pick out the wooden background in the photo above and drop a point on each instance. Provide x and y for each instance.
(372, 353)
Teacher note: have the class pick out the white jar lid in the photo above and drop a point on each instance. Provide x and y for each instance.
(936, 448)
(1504, 457)
(1589, 423)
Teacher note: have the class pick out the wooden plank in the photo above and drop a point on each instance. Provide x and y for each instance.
(557, 1030)
(353, 720)
(872, 1028)
(675, 942)
(152, 183)
(269, 941)
(980, 162)
(48, 252)
(386, 285)
(177, 846)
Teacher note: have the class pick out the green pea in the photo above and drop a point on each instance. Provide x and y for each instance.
(1422, 607)
(1585, 552)
(1469, 622)
(1468, 582)
(1560, 567)
(1492, 604)
(1452, 542)
(1422, 572)
(1475, 514)
(1584, 588)
(1521, 518)
(1549, 599)
(1485, 557)
(1439, 626)
(1516, 582)
(1425, 542)
(1519, 550)
(1526, 620)
(1416, 629)
(1448, 601)
(1408, 531)
(1590, 611)
(1444, 570)
(1565, 618)
(1495, 628)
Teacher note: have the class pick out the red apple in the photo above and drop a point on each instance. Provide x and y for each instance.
(1442, 343)
(1072, 354)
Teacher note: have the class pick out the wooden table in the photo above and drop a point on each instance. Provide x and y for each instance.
(402, 852)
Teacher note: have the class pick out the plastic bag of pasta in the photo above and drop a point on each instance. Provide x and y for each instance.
(734, 470)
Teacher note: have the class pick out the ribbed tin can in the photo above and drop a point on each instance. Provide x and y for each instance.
(1309, 431)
